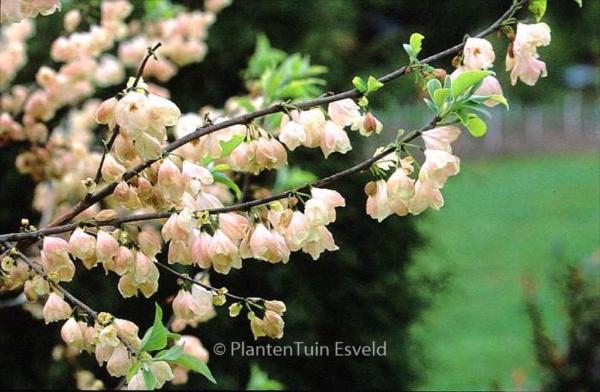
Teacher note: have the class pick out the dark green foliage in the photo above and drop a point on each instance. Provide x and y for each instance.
(574, 367)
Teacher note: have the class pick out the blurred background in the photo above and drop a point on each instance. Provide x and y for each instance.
(497, 290)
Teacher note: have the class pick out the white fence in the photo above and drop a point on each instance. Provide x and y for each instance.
(570, 125)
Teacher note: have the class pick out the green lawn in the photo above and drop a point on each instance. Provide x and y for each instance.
(504, 218)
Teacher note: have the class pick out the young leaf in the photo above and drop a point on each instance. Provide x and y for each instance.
(467, 79)
(409, 51)
(156, 336)
(415, 43)
(432, 106)
(373, 85)
(360, 84)
(432, 86)
(133, 369)
(440, 96)
(149, 379)
(580, 2)
(226, 148)
(477, 127)
(169, 355)
(538, 8)
(225, 180)
(195, 365)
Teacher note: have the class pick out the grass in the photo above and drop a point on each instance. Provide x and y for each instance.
(504, 218)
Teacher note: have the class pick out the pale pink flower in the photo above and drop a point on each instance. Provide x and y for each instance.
(200, 250)
(317, 212)
(180, 253)
(71, 20)
(344, 112)
(313, 121)
(273, 325)
(334, 139)
(56, 309)
(268, 245)
(478, 54)
(83, 246)
(224, 253)
(71, 334)
(369, 125)
(292, 134)
(490, 86)
(127, 331)
(425, 197)
(112, 171)
(297, 231)
(107, 246)
(438, 166)
(119, 362)
(234, 225)
(522, 60)
(318, 241)
(440, 138)
(378, 206)
(400, 186)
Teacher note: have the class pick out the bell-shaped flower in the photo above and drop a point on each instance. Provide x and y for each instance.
(438, 166)
(522, 57)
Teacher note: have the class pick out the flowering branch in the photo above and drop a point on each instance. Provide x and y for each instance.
(59, 223)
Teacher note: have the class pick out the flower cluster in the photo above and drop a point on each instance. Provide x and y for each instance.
(311, 128)
(400, 194)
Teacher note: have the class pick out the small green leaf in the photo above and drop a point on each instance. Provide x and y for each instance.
(226, 148)
(466, 80)
(225, 180)
(133, 369)
(149, 379)
(447, 82)
(477, 127)
(360, 84)
(440, 96)
(169, 355)
(195, 365)
(156, 336)
(373, 85)
(538, 8)
(409, 51)
(432, 106)
(432, 86)
(580, 2)
(415, 43)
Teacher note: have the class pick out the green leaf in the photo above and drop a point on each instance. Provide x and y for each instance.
(409, 51)
(133, 369)
(477, 127)
(359, 84)
(226, 148)
(260, 381)
(294, 177)
(440, 96)
(156, 336)
(432, 86)
(415, 43)
(538, 8)
(447, 82)
(195, 365)
(373, 85)
(225, 180)
(169, 355)
(580, 2)
(466, 80)
(149, 379)
(432, 106)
